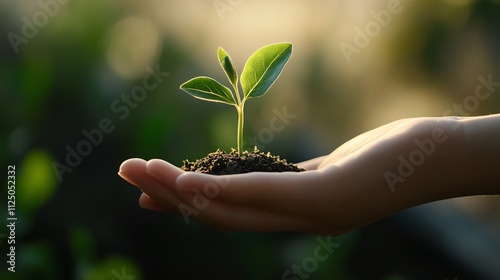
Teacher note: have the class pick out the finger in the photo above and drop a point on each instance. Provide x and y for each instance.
(359, 142)
(135, 171)
(147, 203)
(167, 174)
(129, 166)
(311, 164)
(163, 171)
(287, 192)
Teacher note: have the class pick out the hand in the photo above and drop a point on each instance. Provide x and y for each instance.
(362, 181)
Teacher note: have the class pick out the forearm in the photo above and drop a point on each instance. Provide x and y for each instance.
(467, 163)
(481, 154)
(419, 161)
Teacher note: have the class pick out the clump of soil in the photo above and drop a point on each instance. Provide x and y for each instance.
(220, 163)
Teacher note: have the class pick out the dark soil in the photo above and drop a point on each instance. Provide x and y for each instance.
(220, 163)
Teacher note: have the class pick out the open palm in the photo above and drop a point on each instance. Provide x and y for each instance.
(358, 183)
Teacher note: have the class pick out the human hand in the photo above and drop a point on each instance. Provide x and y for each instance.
(344, 190)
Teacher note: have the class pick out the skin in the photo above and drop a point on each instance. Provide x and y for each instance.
(341, 191)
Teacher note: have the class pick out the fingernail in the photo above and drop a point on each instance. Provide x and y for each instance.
(124, 177)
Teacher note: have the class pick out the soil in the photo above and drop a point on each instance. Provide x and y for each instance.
(220, 163)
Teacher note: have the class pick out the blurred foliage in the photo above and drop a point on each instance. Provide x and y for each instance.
(85, 62)
(38, 181)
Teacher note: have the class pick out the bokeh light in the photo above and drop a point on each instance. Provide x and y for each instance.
(67, 66)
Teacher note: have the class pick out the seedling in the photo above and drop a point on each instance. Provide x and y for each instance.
(260, 72)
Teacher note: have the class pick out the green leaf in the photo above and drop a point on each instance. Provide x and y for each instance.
(228, 66)
(206, 88)
(263, 68)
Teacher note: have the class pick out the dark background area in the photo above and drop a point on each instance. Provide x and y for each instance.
(65, 67)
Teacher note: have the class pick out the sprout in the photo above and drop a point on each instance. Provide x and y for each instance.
(260, 72)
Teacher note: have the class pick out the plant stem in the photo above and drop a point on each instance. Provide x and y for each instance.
(235, 86)
(240, 127)
(239, 108)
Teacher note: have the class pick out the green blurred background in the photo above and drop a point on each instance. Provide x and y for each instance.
(67, 66)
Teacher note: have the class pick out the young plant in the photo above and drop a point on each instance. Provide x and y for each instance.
(259, 73)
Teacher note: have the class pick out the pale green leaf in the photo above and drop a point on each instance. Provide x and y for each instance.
(227, 64)
(206, 88)
(263, 68)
